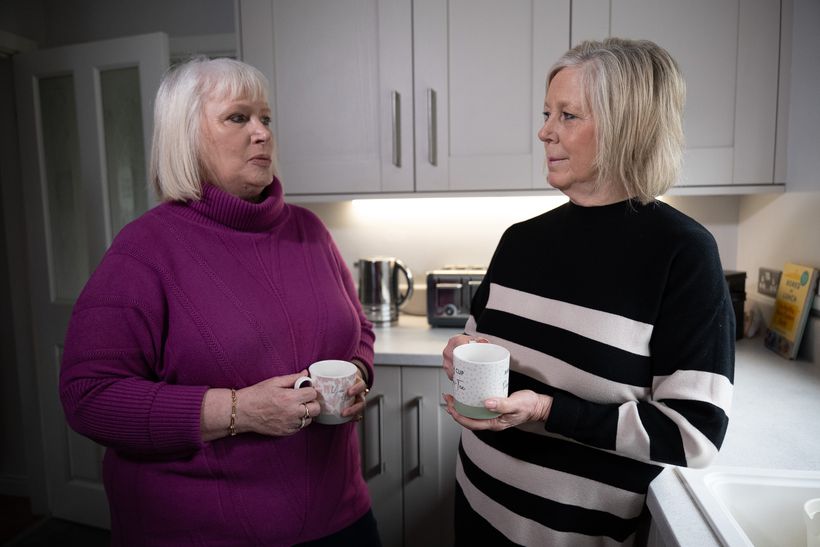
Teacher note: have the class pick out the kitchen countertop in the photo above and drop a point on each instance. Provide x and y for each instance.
(773, 421)
(411, 342)
(772, 425)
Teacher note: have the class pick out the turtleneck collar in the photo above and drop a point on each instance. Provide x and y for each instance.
(217, 207)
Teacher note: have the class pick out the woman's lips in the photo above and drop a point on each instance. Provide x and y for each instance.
(262, 161)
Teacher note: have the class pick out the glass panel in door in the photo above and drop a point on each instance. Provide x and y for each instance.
(123, 143)
(66, 226)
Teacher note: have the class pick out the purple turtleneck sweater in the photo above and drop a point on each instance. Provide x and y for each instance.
(215, 293)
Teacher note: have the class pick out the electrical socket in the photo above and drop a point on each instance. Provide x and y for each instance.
(767, 281)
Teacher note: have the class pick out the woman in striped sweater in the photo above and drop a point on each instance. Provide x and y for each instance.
(616, 314)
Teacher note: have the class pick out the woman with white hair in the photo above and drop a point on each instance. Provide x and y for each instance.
(183, 348)
(616, 313)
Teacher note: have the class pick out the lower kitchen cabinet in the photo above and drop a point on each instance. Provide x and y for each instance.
(408, 446)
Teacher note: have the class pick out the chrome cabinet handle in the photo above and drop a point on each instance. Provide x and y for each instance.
(395, 112)
(381, 466)
(432, 146)
(419, 402)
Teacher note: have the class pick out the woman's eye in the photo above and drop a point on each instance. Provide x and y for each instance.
(546, 116)
(238, 118)
(568, 116)
(266, 121)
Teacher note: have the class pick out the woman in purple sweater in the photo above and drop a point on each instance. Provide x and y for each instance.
(183, 348)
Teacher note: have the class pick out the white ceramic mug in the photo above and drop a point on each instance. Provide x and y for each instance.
(480, 371)
(811, 515)
(331, 379)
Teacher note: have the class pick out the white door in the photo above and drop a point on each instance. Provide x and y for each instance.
(85, 122)
(480, 73)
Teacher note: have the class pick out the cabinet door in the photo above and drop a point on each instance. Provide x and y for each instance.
(380, 441)
(430, 444)
(341, 89)
(480, 69)
(729, 53)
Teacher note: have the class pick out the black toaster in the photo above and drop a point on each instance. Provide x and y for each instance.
(449, 293)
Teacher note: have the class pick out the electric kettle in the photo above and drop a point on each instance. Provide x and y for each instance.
(379, 288)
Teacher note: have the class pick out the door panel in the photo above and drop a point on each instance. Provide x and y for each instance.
(124, 149)
(480, 70)
(84, 123)
(341, 74)
(66, 244)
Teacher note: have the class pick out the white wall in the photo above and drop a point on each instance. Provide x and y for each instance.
(88, 20)
(429, 233)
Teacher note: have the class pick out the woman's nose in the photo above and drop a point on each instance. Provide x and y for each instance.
(546, 134)
(261, 132)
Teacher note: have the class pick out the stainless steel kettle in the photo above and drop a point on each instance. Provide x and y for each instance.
(379, 288)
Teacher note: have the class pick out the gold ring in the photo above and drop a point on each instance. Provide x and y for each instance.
(303, 423)
(307, 413)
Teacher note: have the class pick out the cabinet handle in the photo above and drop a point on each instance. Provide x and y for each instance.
(395, 113)
(432, 133)
(419, 402)
(381, 466)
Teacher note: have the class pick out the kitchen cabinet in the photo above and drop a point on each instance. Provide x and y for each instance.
(729, 54)
(341, 91)
(403, 96)
(479, 74)
(347, 76)
(408, 446)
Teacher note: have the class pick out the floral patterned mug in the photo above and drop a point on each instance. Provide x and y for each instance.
(331, 379)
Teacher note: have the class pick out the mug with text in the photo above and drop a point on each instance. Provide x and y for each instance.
(331, 379)
(480, 371)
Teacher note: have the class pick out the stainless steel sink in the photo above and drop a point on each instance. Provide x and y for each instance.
(751, 506)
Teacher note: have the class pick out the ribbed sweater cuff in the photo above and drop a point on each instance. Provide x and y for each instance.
(176, 415)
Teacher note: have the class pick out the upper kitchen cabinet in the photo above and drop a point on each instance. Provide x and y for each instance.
(340, 73)
(343, 75)
(479, 76)
(728, 51)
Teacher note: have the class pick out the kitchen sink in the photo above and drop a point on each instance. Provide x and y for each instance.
(752, 506)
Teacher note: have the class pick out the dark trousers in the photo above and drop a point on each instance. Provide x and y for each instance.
(362, 533)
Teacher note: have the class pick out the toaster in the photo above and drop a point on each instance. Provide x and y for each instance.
(449, 293)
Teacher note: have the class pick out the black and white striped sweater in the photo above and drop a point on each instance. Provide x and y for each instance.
(621, 313)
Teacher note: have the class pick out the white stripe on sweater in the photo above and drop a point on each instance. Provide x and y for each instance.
(551, 484)
(608, 328)
(699, 450)
(520, 529)
(557, 373)
(695, 385)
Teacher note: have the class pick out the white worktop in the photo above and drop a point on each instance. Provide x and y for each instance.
(774, 421)
(411, 342)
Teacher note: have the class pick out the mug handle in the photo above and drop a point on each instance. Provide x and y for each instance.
(302, 380)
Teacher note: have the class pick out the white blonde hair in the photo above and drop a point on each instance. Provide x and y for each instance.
(177, 168)
(636, 93)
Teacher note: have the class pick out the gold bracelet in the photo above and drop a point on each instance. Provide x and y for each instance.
(232, 427)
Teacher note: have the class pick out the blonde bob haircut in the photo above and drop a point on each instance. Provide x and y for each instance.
(636, 94)
(177, 169)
